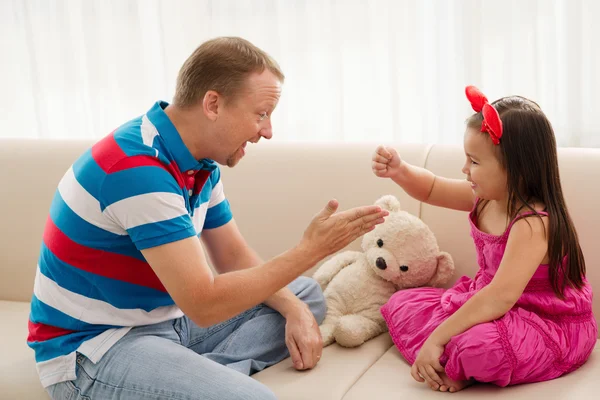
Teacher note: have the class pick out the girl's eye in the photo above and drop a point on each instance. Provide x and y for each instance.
(473, 162)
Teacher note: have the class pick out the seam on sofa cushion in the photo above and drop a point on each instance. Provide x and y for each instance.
(365, 371)
(425, 166)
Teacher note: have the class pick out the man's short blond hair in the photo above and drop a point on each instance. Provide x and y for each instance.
(222, 65)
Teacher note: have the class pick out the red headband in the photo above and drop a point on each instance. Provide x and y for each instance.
(491, 119)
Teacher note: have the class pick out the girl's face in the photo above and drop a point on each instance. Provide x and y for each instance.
(483, 168)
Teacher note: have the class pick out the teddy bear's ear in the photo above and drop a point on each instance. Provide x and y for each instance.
(388, 202)
(445, 270)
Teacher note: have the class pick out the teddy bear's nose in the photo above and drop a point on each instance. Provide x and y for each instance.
(380, 263)
(404, 268)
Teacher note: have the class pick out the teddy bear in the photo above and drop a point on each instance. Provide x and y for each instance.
(400, 253)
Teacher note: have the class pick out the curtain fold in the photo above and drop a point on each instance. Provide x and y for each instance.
(356, 70)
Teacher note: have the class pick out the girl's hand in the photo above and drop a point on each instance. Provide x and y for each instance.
(386, 162)
(427, 365)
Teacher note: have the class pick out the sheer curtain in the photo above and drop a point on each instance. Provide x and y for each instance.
(356, 70)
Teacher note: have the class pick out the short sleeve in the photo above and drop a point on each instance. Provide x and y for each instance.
(219, 211)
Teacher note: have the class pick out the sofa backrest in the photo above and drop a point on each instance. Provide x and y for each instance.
(274, 193)
(29, 174)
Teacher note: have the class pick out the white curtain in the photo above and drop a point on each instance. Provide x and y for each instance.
(356, 70)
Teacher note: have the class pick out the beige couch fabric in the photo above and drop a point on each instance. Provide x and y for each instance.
(273, 193)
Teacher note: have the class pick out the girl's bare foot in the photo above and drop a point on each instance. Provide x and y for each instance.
(453, 386)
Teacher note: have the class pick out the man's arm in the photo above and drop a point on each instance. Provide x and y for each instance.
(229, 251)
(146, 202)
(206, 299)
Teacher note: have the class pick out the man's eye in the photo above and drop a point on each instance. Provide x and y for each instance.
(263, 115)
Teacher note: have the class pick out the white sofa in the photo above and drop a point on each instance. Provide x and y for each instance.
(274, 192)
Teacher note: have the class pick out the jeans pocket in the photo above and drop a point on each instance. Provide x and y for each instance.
(66, 391)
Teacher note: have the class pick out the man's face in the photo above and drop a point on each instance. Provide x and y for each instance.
(247, 117)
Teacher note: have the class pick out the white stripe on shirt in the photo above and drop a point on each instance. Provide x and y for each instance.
(93, 311)
(217, 195)
(149, 132)
(82, 203)
(147, 208)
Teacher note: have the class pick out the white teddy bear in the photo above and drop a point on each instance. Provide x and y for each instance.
(400, 253)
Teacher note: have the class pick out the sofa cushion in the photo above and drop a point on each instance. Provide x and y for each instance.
(18, 376)
(389, 378)
(334, 375)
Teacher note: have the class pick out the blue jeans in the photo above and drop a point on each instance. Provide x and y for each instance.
(179, 360)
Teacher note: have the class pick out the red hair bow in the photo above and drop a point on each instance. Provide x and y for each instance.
(491, 119)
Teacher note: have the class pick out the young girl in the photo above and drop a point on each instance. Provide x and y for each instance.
(526, 316)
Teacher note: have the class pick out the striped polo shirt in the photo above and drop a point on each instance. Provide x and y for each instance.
(137, 188)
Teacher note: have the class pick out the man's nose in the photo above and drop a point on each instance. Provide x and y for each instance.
(267, 132)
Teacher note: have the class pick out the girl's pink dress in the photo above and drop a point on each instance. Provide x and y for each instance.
(540, 338)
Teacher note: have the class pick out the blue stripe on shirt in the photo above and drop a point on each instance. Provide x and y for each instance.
(218, 215)
(119, 294)
(45, 314)
(89, 174)
(157, 233)
(62, 345)
(135, 181)
(86, 234)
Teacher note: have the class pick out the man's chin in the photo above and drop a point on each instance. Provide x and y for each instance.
(233, 161)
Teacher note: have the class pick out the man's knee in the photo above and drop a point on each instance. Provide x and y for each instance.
(309, 291)
(251, 390)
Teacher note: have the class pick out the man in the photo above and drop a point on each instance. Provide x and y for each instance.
(125, 304)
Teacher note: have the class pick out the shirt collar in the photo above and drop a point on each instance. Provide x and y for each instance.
(181, 154)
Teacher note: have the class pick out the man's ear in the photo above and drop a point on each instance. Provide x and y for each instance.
(210, 104)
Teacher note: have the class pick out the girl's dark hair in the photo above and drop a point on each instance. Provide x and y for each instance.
(528, 153)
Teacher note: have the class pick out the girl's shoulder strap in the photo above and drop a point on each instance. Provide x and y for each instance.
(526, 214)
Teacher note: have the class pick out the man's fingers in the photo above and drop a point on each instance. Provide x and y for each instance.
(357, 213)
(319, 345)
(307, 356)
(369, 220)
(329, 209)
(294, 353)
(361, 229)
(316, 353)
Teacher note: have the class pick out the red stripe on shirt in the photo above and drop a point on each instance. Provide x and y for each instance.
(148, 161)
(41, 332)
(200, 180)
(100, 262)
(107, 152)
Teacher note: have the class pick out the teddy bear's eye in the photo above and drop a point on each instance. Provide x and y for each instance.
(380, 243)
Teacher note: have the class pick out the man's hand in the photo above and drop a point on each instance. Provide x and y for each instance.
(330, 231)
(303, 338)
